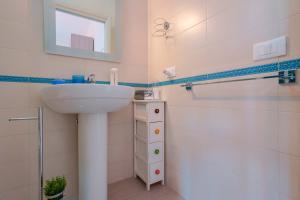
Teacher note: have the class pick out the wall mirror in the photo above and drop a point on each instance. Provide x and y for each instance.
(83, 28)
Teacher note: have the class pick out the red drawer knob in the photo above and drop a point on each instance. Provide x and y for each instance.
(157, 172)
(156, 111)
(157, 131)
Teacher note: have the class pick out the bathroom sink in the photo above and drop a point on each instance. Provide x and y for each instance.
(86, 98)
(91, 102)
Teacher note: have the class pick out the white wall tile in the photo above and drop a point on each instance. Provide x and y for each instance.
(13, 128)
(289, 7)
(56, 121)
(14, 36)
(14, 10)
(290, 28)
(65, 142)
(19, 193)
(192, 13)
(290, 176)
(14, 62)
(15, 175)
(289, 135)
(22, 53)
(14, 148)
(14, 95)
(119, 171)
(120, 142)
(122, 116)
(224, 141)
(215, 7)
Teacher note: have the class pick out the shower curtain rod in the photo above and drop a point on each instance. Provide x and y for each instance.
(285, 77)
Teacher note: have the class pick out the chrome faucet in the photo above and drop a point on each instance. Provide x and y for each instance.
(91, 78)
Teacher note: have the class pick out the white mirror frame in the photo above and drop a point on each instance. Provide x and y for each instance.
(50, 37)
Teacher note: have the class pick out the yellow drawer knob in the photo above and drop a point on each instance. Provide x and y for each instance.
(157, 131)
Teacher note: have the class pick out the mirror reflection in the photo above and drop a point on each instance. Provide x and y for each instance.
(83, 28)
(85, 25)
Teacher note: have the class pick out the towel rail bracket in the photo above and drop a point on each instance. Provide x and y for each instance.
(287, 77)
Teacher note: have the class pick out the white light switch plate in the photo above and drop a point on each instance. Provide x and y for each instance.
(270, 49)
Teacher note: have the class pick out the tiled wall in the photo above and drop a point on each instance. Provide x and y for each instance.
(21, 53)
(21, 24)
(19, 144)
(237, 140)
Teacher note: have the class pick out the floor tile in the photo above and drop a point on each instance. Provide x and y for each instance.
(135, 189)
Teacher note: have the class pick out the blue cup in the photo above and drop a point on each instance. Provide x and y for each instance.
(78, 79)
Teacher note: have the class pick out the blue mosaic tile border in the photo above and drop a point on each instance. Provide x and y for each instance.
(22, 79)
(267, 68)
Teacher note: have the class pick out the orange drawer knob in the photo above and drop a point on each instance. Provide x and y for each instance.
(157, 172)
(157, 131)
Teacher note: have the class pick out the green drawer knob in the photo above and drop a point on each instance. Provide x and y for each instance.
(156, 151)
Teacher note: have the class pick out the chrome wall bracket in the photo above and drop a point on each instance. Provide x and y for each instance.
(287, 77)
(189, 86)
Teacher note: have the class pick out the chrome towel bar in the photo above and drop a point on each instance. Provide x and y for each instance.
(285, 77)
(23, 119)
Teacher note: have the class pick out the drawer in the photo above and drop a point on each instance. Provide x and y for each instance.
(150, 112)
(156, 152)
(156, 112)
(152, 154)
(156, 172)
(156, 132)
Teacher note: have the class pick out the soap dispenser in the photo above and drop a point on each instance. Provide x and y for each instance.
(114, 76)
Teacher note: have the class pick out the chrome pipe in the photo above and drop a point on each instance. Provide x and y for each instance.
(41, 150)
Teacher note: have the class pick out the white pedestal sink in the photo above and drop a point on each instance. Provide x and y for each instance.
(92, 102)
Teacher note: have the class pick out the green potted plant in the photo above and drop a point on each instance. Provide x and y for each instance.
(54, 188)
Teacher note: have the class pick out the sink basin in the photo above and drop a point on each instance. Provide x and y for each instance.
(92, 102)
(86, 98)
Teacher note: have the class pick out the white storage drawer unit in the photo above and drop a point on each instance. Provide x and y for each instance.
(149, 141)
(150, 112)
